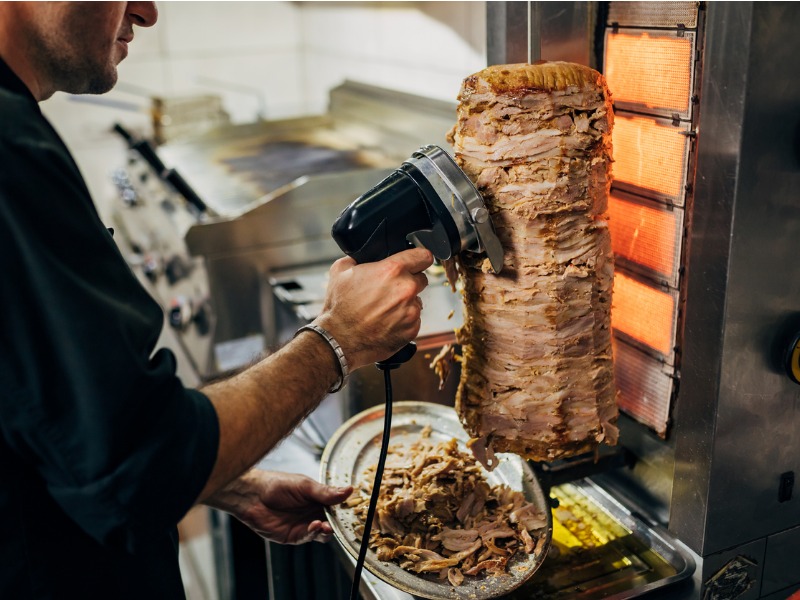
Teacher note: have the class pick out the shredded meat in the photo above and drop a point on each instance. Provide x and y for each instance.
(436, 513)
(442, 363)
(536, 374)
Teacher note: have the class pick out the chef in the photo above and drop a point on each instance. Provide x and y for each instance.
(102, 449)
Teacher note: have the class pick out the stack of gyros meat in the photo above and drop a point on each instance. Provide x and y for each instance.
(537, 376)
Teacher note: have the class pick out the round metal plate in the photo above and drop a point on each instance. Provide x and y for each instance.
(356, 445)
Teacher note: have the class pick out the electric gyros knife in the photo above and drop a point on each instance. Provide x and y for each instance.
(429, 202)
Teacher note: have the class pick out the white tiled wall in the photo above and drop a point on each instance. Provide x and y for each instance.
(425, 48)
(248, 52)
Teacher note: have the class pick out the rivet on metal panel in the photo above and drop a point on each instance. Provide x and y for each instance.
(615, 27)
(681, 30)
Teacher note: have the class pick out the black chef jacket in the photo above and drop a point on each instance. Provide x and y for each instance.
(102, 450)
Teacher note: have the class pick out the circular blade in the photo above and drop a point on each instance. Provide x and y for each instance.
(463, 201)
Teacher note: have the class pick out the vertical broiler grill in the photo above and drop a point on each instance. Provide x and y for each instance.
(704, 215)
(650, 58)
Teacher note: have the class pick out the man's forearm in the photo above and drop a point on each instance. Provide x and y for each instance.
(262, 404)
(371, 310)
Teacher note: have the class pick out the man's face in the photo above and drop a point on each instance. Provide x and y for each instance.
(80, 44)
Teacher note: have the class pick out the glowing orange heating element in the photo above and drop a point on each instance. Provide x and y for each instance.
(644, 313)
(649, 155)
(644, 235)
(650, 69)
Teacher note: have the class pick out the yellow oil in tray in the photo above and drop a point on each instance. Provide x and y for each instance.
(592, 554)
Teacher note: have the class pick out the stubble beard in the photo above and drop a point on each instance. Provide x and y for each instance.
(73, 63)
(80, 74)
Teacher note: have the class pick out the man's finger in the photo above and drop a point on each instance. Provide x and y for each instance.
(327, 494)
(415, 260)
(422, 281)
(319, 531)
(342, 265)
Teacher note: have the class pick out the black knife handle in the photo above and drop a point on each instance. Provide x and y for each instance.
(376, 224)
(398, 358)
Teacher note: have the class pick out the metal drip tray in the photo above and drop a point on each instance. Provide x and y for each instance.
(601, 550)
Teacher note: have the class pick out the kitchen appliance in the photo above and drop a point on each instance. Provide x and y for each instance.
(427, 202)
(703, 217)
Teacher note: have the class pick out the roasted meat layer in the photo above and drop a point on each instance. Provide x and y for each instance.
(437, 514)
(537, 373)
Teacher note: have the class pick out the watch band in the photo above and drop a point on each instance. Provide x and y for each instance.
(337, 351)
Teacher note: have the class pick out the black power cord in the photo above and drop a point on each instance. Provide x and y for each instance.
(386, 366)
(376, 486)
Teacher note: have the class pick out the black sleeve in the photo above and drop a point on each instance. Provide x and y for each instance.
(121, 445)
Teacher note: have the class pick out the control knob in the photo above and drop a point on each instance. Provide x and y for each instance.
(151, 267)
(180, 312)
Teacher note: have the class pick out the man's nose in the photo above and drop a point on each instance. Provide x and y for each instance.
(143, 14)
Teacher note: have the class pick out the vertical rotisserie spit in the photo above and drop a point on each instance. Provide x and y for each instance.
(537, 376)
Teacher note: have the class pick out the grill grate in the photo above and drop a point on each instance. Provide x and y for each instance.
(673, 15)
(651, 71)
(645, 314)
(646, 235)
(645, 386)
(650, 157)
(649, 62)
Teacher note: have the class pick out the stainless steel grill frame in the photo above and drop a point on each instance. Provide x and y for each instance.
(735, 427)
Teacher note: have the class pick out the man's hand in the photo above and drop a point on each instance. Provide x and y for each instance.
(282, 507)
(373, 309)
